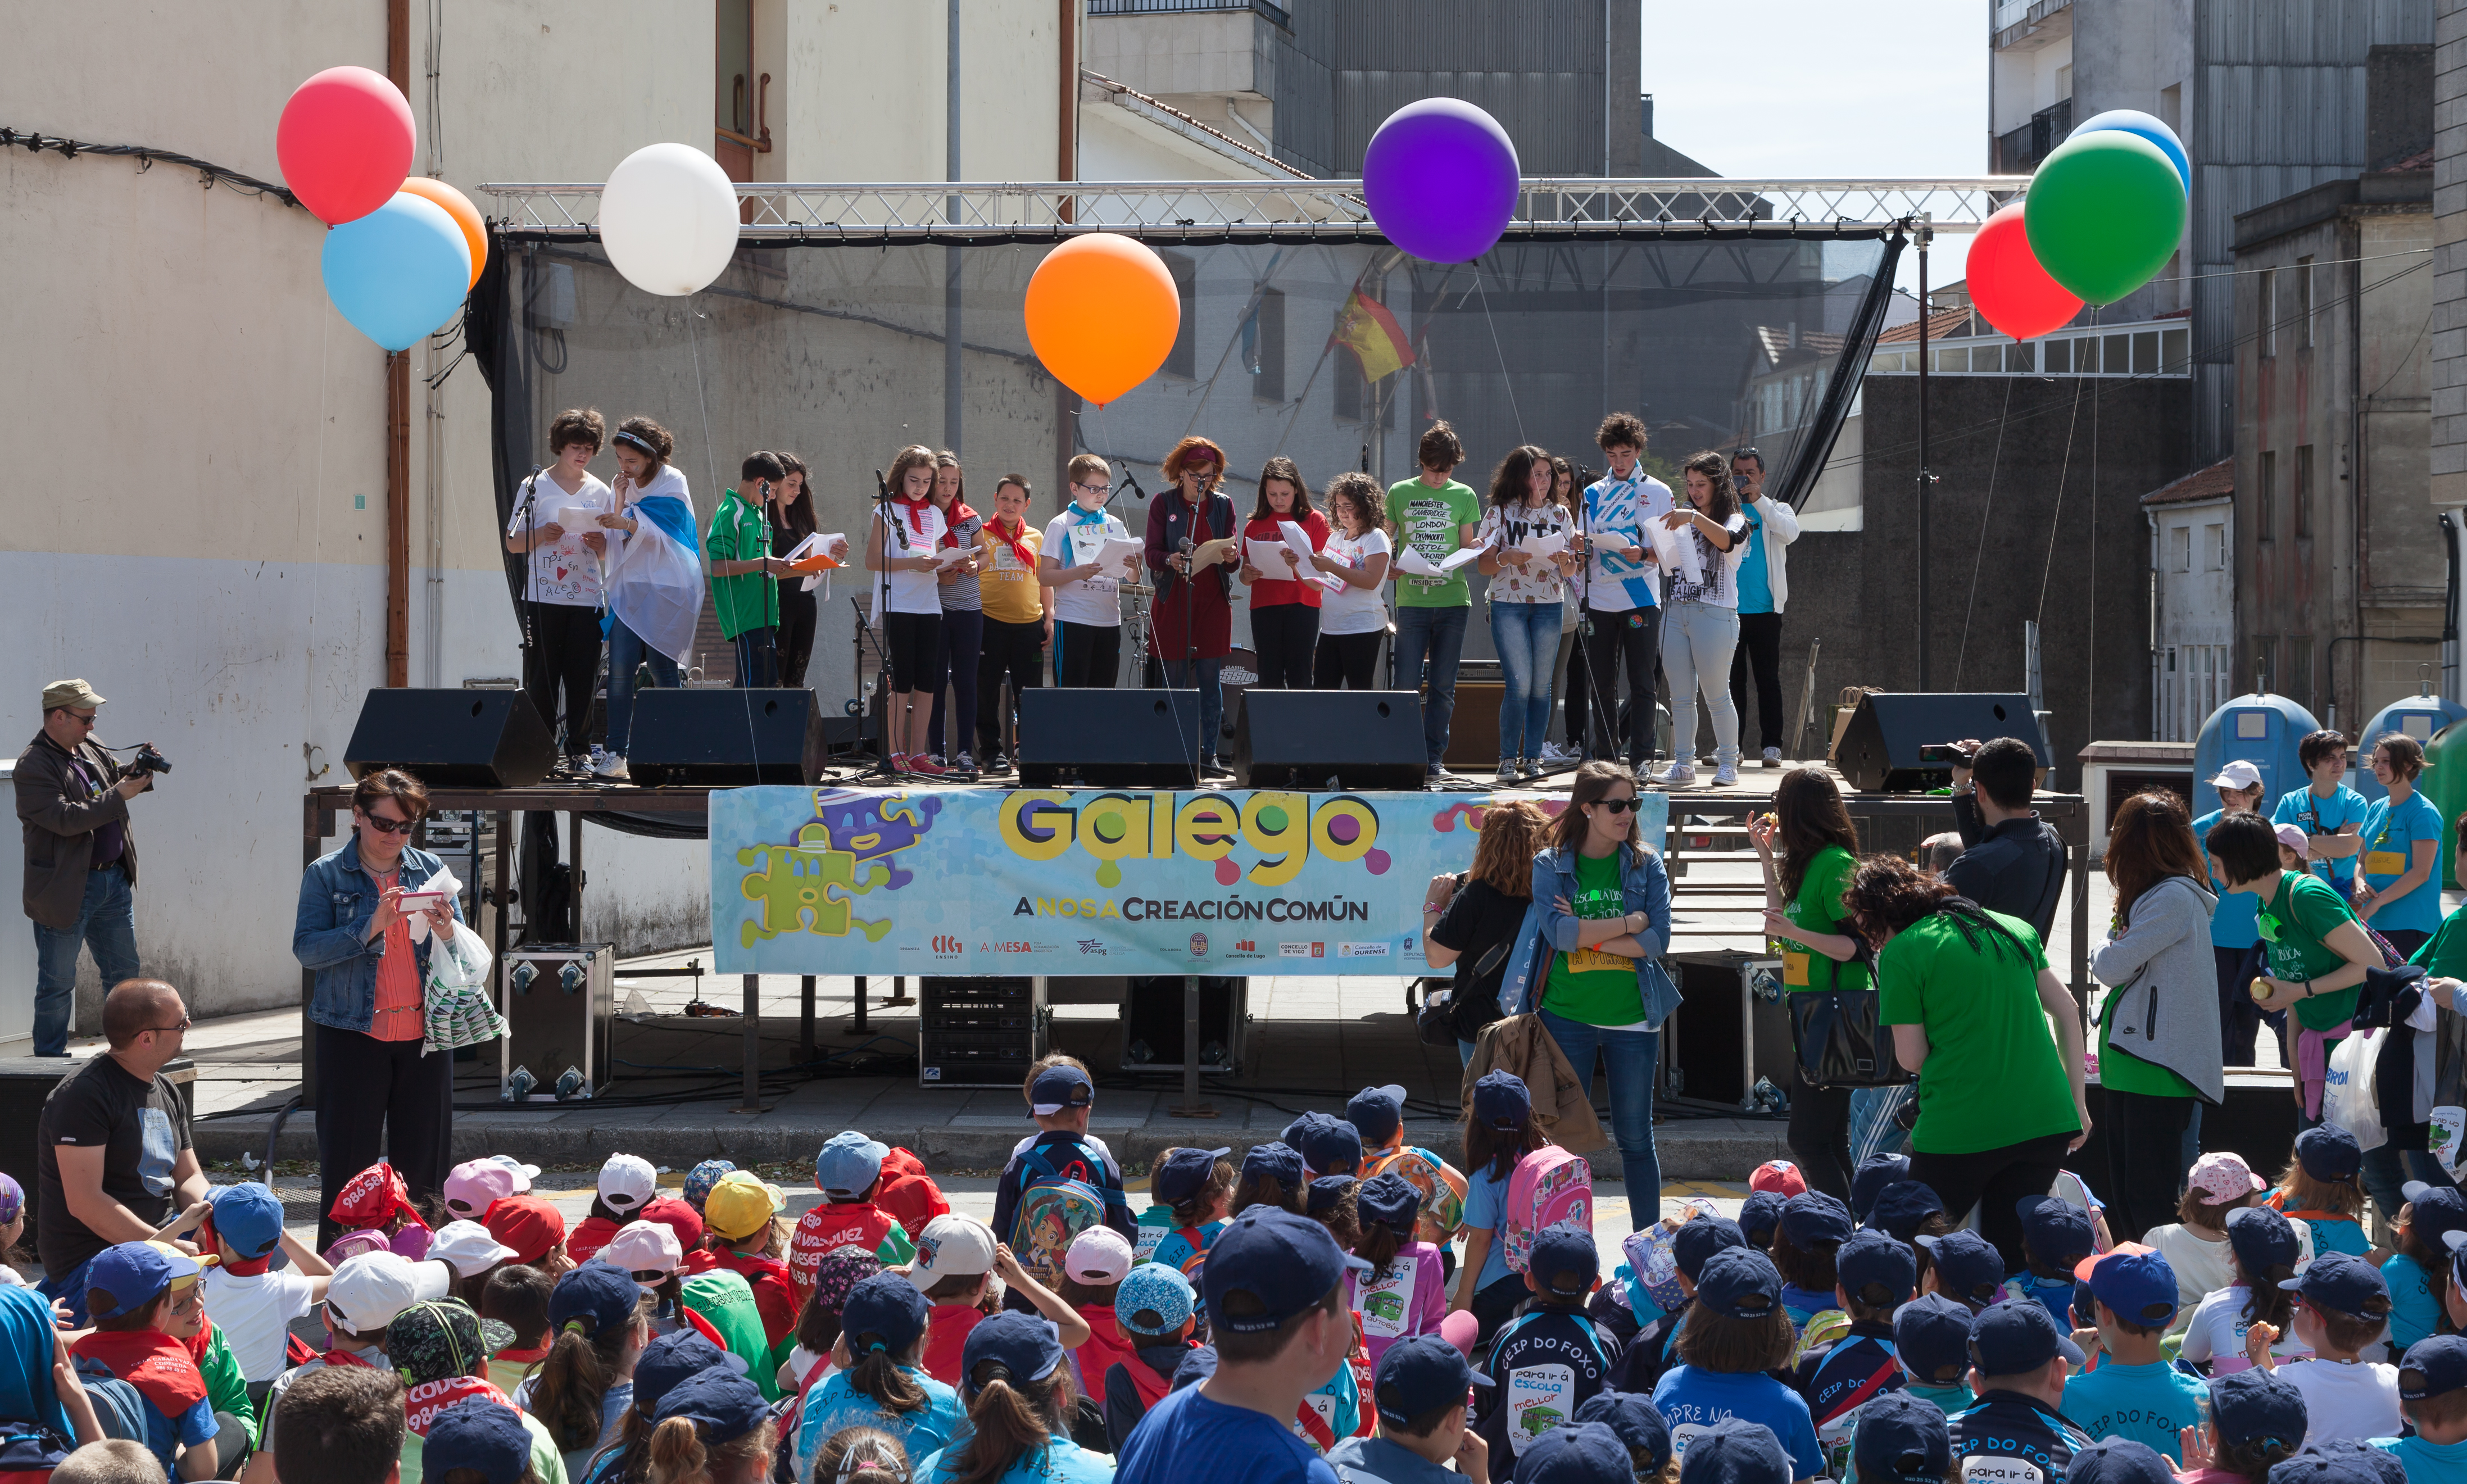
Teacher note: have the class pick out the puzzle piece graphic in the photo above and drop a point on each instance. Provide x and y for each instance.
(795, 891)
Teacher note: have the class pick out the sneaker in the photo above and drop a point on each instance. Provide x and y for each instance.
(1726, 775)
(1552, 753)
(1435, 773)
(963, 763)
(1679, 774)
(1532, 769)
(935, 759)
(1773, 757)
(1001, 763)
(610, 766)
(1510, 771)
(925, 765)
(1211, 767)
(899, 762)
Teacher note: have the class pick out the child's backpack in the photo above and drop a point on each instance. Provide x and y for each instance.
(1550, 1187)
(1055, 1205)
(1154, 1223)
(1441, 1189)
(28, 1452)
(908, 1193)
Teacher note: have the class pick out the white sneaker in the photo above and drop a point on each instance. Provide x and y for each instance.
(1552, 753)
(608, 765)
(1726, 775)
(1508, 770)
(1679, 774)
(1773, 757)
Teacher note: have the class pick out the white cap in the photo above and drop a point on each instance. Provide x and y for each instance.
(644, 1247)
(2237, 775)
(952, 1246)
(467, 1247)
(368, 1291)
(628, 1182)
(523, 1173)
(1097, 1256)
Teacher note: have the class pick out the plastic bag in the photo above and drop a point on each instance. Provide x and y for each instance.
(2347, 1095)
(458, 1011)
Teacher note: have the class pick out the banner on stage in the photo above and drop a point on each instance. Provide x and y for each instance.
(979, 881)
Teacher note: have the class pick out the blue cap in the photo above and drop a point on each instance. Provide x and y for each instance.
(249, 1217)
(2262, 1239)
(722, 1405)
(1421, 1373)
(1564, 1261)
(1873, 1256)
(1875, 1173)
(1740, 1283)
(2432, 1366)
(1700, 1239)
(1153, 1288)
(1903, 1438)
(1902, 1208)
(2135, 1281)
(1636, 1420)
(1760, 1216)
(2118, 1461)
(1967, 1266)
(1180, 1174)
(1735, 1450)
(2340, 1461)
(670, 1358)
(1390, 1200)
(885, 1312)
(2256, 1406)
(848, 1163)
(600, 1292)
(1194, 1367)
(1329, 1145)
(1023, 1345)
(2055, 1232)
(1274, 1264)
(2328, 1151)
(1272, 1161)
(1586, 1453)
(1377, 1114)
(1059, 1088)
(701, 1178)
(1812, 1217)
(2340, 1283)
(1932, 1335)
(1501, 1102)
(1329, 1192)
(2440, 1210)
(479, 1433)
(135, 1274)
(2015, 1339)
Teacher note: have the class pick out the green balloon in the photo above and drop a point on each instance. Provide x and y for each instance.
(2105, 212)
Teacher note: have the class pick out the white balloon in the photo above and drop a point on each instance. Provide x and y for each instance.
(668, 217)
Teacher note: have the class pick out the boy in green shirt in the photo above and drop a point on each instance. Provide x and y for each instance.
(738, 549)
(1435, 516)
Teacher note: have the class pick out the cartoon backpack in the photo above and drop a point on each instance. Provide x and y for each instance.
(1550, 1187)
(1055, 1206)
(1443, 1190)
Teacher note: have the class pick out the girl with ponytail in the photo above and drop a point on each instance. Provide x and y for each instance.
(1020, 1397)
(878, 1380)
(599, 1321)
(712, 1428)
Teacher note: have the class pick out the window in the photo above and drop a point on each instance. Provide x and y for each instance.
(2179, 551)
(1263, 340)
(2171, 106)
(2302, 494)
(2265, 663)
(2268, 315)
(2059, 357)
(2263, 493)
(2305, 304)
(2297, 686)
(1182, 360)
(2176, 349)
(2064, 83)
(2214, 547)
(733, 65)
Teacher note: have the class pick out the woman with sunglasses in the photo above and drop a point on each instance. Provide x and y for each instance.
(1587, 958)
(358, 907)
(1191, 626)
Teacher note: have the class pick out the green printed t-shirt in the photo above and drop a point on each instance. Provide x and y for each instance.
(740, 532)
(726, 1303)
(1588, 984)
(1818, 908)
(2294, 920)
(1427, 520)
(1994, 1073)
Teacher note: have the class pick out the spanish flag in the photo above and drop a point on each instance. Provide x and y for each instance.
(1367, 329)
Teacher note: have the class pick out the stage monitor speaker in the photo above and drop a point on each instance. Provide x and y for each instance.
(452, 738)
(1330, 739)
(725, 738)
(1075, 738)
(1879, 753)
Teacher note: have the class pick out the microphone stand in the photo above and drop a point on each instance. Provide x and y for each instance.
(1598, 708)
(888, 519)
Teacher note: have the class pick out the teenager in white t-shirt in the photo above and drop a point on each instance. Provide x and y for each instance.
(1353, 618)
(900, 544)
(1700, 544)
(2341, 1310)
(1087, 597)
(561, 591)
(1620, 592)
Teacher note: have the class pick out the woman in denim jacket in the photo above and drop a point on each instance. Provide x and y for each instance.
(354, 934)
(1587, 961)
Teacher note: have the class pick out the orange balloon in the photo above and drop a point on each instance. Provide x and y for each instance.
(465, 215)
(1101, 313)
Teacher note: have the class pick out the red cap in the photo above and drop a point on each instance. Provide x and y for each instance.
(528, 1223)
(371, 1197)
(1779, 1175)
(677, 1216)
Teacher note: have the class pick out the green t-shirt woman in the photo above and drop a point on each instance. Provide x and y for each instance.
(1808, 849)
(2312, 947)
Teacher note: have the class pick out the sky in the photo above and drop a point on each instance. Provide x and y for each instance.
(1801, 89)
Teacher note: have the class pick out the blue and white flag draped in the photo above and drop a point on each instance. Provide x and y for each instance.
(654, 576)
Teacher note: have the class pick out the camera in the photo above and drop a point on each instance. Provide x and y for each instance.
(1946, 752)
(146, 761)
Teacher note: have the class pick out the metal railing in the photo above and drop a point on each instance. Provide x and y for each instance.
(1579, 207)
(1274, 15)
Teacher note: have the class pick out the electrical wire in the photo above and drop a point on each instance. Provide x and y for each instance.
(35, 142)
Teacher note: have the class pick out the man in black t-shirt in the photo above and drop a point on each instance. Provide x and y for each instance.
(112, 1148)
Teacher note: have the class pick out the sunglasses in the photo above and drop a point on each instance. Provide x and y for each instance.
(1616, 805)
(386, 826)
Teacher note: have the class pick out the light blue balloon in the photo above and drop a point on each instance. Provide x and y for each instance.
(397, 273)
(2133, 121)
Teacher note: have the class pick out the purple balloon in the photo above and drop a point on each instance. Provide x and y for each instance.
(1440, 178)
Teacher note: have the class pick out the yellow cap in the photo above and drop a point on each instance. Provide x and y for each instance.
(740, 1205)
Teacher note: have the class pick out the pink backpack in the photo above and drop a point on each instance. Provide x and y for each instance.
(1550, 1187)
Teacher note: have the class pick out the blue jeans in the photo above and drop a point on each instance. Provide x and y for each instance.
(625, 651)
(1437, 633)
(1528, 638)
(1631, 1055)
(757, 659)
(107, 923)
(70, 1289)
(1206, 675)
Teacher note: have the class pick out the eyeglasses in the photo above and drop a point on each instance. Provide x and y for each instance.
(1616, 805)
(1088, 489)
(86, 717)
(1200, 466)
(183, 1024)
(386, 826)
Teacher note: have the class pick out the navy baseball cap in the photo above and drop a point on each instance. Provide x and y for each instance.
(1873, 1256)
(1931, 1335)
(1274, 1264)
(1966, 1264)
(1184, 1173)
(1760, 1216)
(605, 1295)
(722, 1405)
(479, 1433)
(1903, 1438)
(1903, 1207)
(2133, 1280)
(1501, 1101)
(2256, 1406)
(2262, 1239)
(1272, 1161)
(1421, 1373)
(670, 1358)
(1734, 1450)
(2340, 1283)
(1875, 1173)
(2432, 1366)
(1329, 1144)
(1739, 1283)
(1700, 1239)
(885, 1312)
(1023, 1345)
(1388, 1201)
(2120, 1461)
(2015, 1339)
(1377, 1114)
(2440, 1210)
(249, 1217)
(2329, 1152)
(2056, 1232)
(1329, 1192)
(1587, 1452)
(1059, 1089)
(2314, 1466)
(1812, 1217)
(1636, 1420)
(1564, 1261)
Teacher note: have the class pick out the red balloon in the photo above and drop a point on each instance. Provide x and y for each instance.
(345, 142)
(2008, 286)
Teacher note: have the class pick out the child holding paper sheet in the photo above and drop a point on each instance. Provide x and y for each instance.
(561, 591)
(901, 544)
(1353, 615)
(1279, 545)
(1529, 548)
(1087, 598)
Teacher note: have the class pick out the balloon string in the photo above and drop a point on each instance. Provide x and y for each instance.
(2056, 519)
(1979, 556)
(1505, 380)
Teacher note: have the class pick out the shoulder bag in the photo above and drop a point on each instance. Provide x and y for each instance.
(1837, 1034)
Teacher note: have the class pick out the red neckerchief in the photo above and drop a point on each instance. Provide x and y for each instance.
(160, 1367)
(752, 1266)
(1017, 540)
(701, 1259)
(420, 1407)
(341, 1356)
(247, 1267)
(915, 509)
(204, 1340)
(952, 520)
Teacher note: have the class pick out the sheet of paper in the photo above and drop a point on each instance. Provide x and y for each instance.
(812, 556)
(443, 885)
(1208, 553)
(575, 518)
(1297, 540)
(1463, 556)
(952, 556)
(1413, 563)
(1121, 556)
(1677, 549)
(1269, 556)
(1546, 545)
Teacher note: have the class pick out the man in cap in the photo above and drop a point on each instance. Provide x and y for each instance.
(81, 863)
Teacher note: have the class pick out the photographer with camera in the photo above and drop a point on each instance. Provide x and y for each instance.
(2012, 861)
(81, 863)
